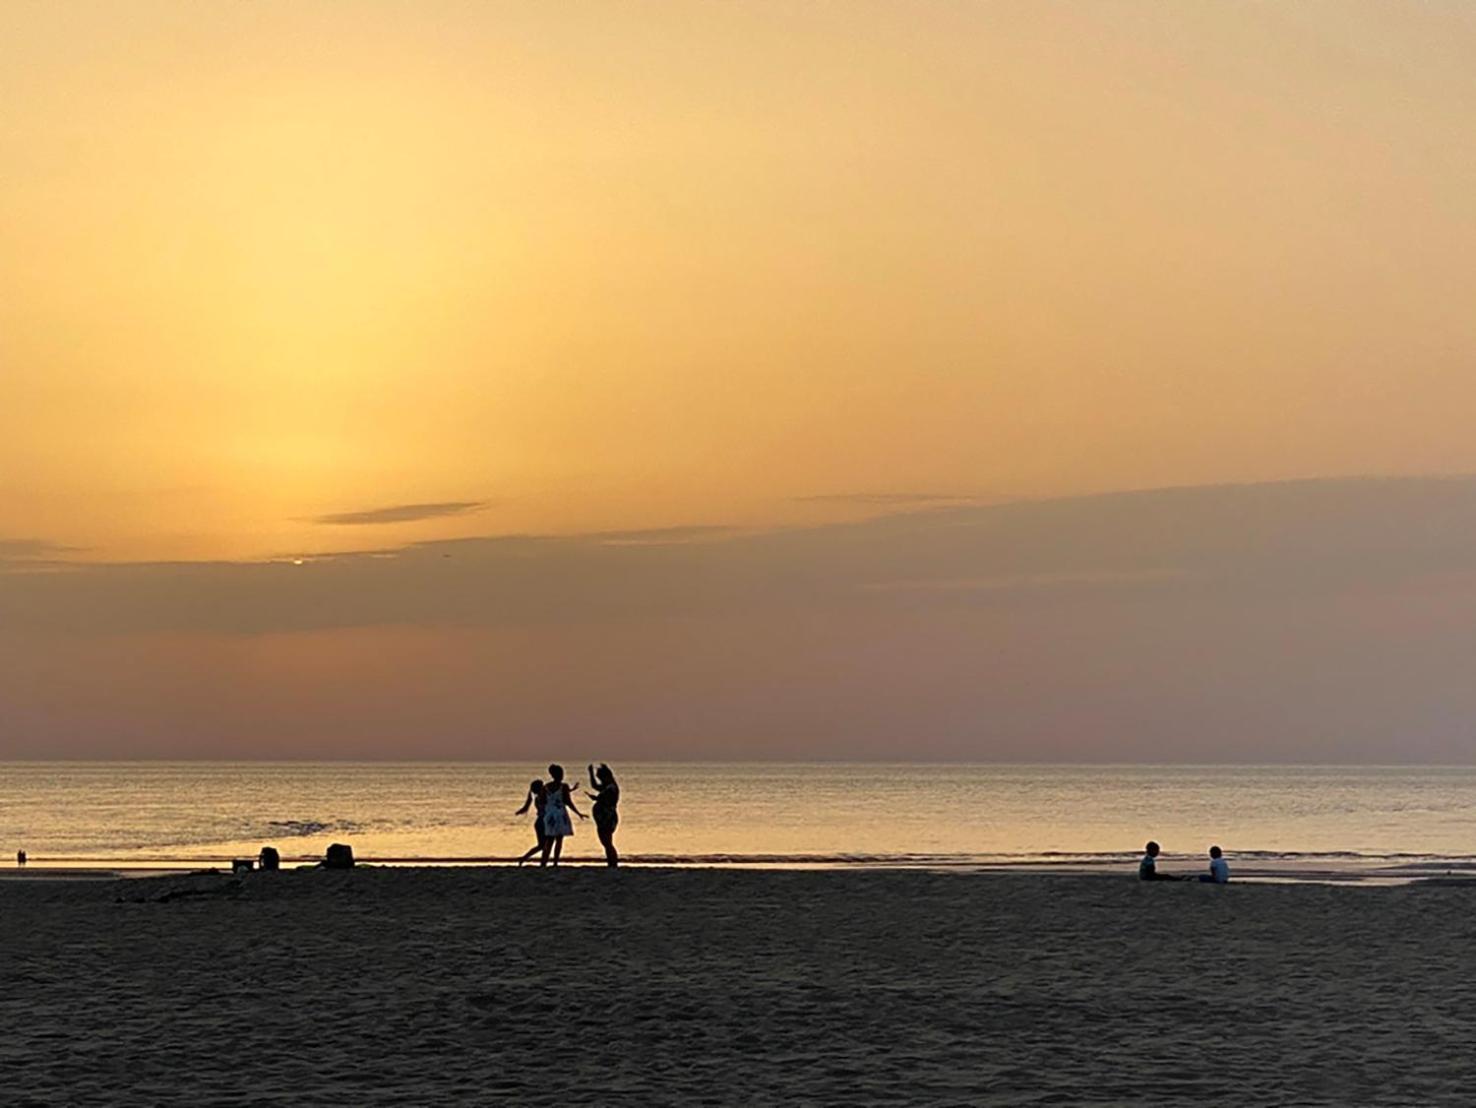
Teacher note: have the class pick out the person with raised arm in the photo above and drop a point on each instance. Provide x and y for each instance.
(606, 796)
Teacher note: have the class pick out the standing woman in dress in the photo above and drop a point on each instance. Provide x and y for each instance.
(538, 798)
(558, 803)
(606, 814)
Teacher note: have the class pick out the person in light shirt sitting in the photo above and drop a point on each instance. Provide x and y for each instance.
(1219, 871)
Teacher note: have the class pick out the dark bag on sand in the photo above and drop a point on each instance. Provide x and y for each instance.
(270, 859)
(339, 856)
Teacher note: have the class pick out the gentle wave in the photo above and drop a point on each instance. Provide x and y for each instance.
(303, 828)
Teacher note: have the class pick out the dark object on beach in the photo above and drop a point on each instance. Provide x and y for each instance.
(20, 857)
(339, 856)
(270, 859)
(243, 865)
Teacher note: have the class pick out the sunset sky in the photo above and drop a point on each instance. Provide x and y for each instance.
(737, 380)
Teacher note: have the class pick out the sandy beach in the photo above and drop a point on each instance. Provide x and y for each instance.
(399, 986)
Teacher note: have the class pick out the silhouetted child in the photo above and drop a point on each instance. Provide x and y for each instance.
(1148, 867)
(538, 798)
(1219, 871)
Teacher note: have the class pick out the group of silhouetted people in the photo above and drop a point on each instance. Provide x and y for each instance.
(1219, 869)
(552, 801)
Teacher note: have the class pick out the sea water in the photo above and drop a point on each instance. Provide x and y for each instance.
(1297, 821)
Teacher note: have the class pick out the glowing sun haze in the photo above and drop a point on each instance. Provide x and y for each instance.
(281, 280)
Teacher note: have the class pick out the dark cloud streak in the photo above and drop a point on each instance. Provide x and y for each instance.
(401, 513)
(26, 549)
(887, 499)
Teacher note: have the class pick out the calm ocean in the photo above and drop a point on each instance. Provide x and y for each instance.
(1289, 820)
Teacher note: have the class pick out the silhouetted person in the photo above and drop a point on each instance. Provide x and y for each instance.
(558, 803)
(1219, 869)
(1148, 867)
(606, 815)
(538, 798)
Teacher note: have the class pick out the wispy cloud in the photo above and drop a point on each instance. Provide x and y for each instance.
(26, 549)
(1289, 542)
(1022, 581)
(887, 499)
(660, 536)
(402, 513)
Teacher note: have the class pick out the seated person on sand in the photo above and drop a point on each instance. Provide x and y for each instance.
(1148, 867)
(1219, 871)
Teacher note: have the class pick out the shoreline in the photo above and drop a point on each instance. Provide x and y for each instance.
(1367, 877)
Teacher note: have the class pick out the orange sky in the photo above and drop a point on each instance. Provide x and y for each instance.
(683, 294)
(675, 264)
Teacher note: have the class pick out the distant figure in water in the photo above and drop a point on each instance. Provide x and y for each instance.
(606, 803)
(1148, 867)
(537, 798)
(1219, 871)
(558, 803)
